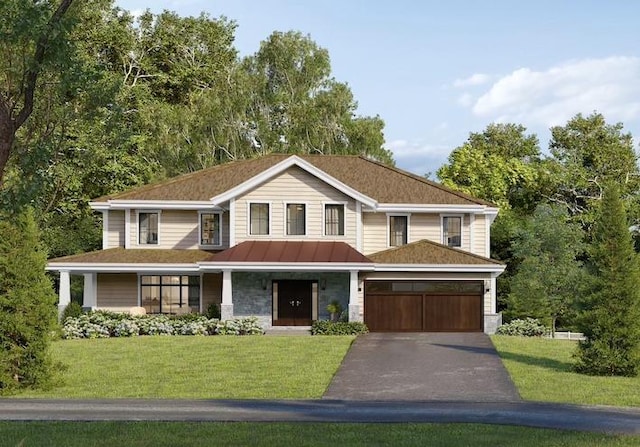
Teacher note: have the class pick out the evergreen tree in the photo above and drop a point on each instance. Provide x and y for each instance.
(611, 316)
(27, 305)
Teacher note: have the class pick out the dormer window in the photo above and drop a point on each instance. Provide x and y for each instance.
(148, 228)
(210, 229)
(452, 231)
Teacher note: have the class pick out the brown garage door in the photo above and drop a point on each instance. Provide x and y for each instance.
(423, 308)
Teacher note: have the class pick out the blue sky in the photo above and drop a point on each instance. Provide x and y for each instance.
(435, 71)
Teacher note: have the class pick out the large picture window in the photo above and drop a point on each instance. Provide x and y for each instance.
(296, 218)
(210, 233)
(259, 219)
(452, 231)
(170, 294)
(334, 220)
(397, 230)
(148, 228)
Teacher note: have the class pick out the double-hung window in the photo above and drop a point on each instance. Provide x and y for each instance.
(398, 226)
(452, 231)
(210, 233)
(334, 220)
(296, 219)
(259, 218)
(148, 228)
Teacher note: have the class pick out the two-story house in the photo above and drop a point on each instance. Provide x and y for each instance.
(279, 237)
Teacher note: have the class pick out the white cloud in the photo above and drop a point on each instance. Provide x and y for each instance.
(466, 100)
(474, 79)
(417, 156)
(551, 97)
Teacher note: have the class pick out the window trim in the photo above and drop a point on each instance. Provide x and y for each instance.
(269, 204)
(200, 213)
(284, 219)
(159, 213)
(324, 217)
(389, 216)
(442, 241)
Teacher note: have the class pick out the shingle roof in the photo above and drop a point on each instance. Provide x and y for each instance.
(382, 183)
(136, 256)
(291, 252)
(429, 253)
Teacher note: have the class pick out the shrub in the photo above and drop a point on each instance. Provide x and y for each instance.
(529, 327)
(213, 311)
(73, 309)
(322, 327)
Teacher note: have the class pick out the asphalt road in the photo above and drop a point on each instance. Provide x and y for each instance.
(558, 416)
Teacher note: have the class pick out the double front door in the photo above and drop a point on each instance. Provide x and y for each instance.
(294, 299)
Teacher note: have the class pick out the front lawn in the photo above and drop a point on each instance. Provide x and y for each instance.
(218, 367)
(70, 434)
(541, 369)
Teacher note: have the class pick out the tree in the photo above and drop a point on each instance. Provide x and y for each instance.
(611, 313)
(27, 305)
(549, 274)
(32, 35)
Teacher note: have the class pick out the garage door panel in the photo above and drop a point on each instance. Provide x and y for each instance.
(394, 313)
(452, 313)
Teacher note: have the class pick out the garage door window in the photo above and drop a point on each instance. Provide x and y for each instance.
(443, 287)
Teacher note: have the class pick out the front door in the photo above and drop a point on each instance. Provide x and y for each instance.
(294, 298)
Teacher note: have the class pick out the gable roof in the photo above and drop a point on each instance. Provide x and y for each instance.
(377, 181)
(291, 252)
(426, 252)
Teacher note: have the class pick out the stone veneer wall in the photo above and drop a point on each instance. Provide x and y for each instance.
(250, 299)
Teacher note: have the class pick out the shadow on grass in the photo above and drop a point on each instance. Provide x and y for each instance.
(541, 362)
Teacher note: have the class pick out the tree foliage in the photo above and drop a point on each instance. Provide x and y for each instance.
(611, 315)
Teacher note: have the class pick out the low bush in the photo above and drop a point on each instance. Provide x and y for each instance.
(213, 311)
(73, 309)
(529, 327)
(322, 327)
(102, 324)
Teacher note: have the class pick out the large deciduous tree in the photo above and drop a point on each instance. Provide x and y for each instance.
(611, 315)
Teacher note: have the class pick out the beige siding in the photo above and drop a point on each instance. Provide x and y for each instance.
(117, 291)
(374, 232)
(211, 289)
(479, 232)
(295, 186)
(115, 229)
(178, 229)
(425, 226)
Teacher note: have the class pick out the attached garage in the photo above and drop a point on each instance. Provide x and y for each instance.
(424, 306)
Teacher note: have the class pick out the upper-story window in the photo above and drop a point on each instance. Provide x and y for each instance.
(398, 226)
(210, 233)
(259, 218)
(148, 228)
(452, 231)
(296, 219)
(334, 219)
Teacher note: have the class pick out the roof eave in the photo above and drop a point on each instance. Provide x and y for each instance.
(104, 267)
(119, 204)
(434, 208)
(287, 266)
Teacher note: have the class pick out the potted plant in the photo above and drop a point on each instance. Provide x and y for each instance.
(335, 309)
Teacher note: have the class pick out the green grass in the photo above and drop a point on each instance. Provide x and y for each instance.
(222, 367)
(541, 369)
(83, 434)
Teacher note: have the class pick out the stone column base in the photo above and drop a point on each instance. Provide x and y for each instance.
(492, 322)
(354, 312)
(226, 311)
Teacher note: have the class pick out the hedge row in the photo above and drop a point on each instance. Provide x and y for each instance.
(338, 328)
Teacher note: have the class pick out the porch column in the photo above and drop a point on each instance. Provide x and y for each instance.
(226, 308)
(493, 295)
(354, 307)
(90, 294)
(64, 293)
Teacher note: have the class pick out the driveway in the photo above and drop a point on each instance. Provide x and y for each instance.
(423, 367)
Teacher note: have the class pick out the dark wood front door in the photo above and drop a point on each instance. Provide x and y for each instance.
(294, 303)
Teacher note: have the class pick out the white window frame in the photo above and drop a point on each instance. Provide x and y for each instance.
(389, 216)
(442, 241)
(284, 219)
(324, 216)
(200, 213)
(159, 213)
(269, 204)
(152, 273)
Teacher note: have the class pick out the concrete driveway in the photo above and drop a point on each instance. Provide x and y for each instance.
(423, 367)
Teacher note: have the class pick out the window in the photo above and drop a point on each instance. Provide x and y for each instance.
(397, 230)
(452, 231)
(296, 219)
(148, 228)
(334, 220)
(170, 294)
(210, 229)
(259, 218)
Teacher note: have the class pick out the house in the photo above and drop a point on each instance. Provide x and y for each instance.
(279, 237)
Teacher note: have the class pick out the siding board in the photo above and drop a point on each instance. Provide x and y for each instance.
(117, 291)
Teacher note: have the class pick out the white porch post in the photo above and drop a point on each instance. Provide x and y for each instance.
(493, 295)
(64, 293)
(354, 307)
(90, 295)
(226, 308)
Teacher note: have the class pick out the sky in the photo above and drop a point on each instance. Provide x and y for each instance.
(435, 71)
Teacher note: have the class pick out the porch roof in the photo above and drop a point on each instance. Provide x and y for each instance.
(121, 255)
(426, 252)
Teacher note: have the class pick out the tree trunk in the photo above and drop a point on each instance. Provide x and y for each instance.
(7, 137)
